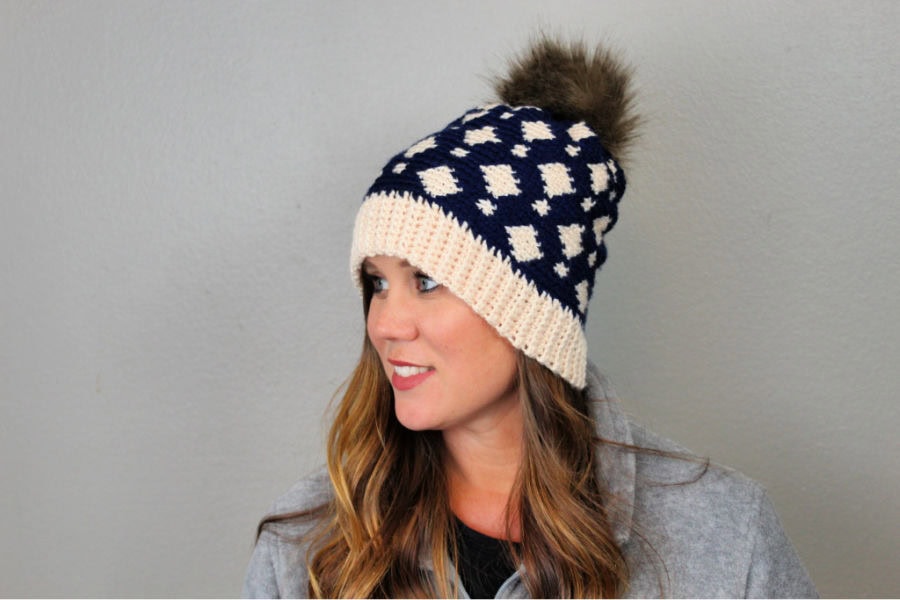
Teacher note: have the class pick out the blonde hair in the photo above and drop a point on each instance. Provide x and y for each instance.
(390, 507)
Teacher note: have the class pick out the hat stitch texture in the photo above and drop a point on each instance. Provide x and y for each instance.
(508, 208)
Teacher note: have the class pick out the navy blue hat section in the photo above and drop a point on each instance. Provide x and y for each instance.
(539, 192)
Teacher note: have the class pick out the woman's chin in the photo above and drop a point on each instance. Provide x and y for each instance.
(416, 422)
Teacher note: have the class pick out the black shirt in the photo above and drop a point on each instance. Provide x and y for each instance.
(484, 562)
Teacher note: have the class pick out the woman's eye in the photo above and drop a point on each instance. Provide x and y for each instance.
(379, 284)
(426, 283)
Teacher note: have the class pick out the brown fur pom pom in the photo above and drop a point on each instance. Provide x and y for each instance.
(574, 84)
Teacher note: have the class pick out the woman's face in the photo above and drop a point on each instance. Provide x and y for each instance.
(448, 367)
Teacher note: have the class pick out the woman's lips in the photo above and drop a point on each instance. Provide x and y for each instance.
(406, 376)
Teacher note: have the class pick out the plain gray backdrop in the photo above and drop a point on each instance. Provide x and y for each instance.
(177, 187)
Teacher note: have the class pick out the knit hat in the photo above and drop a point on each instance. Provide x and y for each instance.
(507, 207)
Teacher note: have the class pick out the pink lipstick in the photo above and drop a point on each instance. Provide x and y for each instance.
(406, 375)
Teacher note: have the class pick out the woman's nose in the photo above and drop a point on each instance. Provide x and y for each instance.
(392, 317)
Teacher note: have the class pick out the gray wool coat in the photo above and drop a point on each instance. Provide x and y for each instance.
(716, 536)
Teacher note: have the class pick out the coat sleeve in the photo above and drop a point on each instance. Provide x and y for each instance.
(260, 581)
(775, 569)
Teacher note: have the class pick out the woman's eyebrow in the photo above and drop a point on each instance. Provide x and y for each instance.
(404, 264)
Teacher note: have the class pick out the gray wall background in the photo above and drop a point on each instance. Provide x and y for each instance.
(177, 187)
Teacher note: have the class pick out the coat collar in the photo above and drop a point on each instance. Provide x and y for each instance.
(616, 464)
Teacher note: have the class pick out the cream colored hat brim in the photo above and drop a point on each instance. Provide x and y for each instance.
(401, 225)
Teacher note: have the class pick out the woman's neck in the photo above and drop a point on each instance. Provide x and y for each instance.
(482, 467)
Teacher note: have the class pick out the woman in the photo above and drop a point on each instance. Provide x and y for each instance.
(475, 452)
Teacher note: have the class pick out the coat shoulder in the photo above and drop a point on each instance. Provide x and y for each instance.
(711, 529)
(278, 565)
(309, 492)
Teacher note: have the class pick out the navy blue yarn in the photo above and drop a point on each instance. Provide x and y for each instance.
(565, 209)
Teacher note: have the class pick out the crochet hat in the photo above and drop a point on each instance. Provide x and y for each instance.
(508, 205)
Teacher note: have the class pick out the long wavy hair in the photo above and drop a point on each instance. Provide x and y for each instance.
(390, 507)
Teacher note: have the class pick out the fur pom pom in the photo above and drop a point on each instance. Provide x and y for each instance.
(574, 84)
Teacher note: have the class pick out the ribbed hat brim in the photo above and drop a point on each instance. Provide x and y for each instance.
(402, 225)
